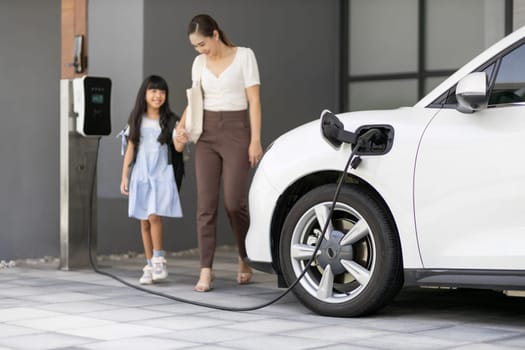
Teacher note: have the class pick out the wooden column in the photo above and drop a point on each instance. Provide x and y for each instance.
(74, 22)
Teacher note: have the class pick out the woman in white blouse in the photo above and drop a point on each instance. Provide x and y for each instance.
(230, 142)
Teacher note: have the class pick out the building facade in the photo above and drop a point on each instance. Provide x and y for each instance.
(313, 54)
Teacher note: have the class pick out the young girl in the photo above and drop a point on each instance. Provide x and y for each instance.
(151, 157)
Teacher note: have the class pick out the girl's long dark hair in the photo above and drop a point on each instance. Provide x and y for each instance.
(167, 117)
(205, 25)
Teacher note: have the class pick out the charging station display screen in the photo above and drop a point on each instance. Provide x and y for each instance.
(97, 99)
(96, 120)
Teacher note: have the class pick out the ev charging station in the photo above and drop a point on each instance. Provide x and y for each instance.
(84, 118)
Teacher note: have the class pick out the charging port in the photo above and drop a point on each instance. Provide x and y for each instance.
(380, 143)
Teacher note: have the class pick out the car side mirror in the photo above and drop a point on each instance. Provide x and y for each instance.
(471, 92)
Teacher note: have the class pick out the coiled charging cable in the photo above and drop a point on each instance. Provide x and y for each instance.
(360, 141)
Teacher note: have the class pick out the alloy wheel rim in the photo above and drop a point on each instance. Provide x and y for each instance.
(346, 259)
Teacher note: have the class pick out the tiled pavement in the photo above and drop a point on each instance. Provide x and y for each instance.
(42, 307)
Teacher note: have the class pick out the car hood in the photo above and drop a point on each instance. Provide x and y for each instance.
(353, 120)
(303, 150)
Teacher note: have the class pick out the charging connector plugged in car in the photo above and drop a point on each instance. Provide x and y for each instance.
(376, 139)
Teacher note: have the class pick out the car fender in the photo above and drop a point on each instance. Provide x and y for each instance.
(303, 151)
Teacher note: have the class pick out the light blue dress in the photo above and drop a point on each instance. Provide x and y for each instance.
(152, 188)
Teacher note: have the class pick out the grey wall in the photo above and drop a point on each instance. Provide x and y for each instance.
(115, 47)
(29, 147)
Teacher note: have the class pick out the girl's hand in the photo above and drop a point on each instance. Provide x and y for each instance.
(124, 186)
(255, 153)
(181, 137)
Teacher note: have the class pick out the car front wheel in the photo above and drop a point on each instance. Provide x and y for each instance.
(358, 267)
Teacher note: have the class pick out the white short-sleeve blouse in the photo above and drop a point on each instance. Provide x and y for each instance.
(226, 92)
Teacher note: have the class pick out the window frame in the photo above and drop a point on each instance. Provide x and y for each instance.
(421, 75)
(441, 101)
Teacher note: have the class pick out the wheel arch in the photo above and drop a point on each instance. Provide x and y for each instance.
(304, 185)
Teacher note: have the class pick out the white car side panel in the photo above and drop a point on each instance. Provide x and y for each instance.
(470, 190)
(303, 151)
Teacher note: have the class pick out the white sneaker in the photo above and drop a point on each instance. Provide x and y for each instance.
(160, 271)
(147, 276)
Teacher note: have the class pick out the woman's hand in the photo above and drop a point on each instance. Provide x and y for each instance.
(255, 150)
(255, 153)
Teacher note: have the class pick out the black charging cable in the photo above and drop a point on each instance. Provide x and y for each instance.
(360, 141)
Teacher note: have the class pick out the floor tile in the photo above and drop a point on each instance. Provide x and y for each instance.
(337, 333)
(135, 301)
(141, 343)
(276, 342)
(184, 322)
(469, 333)
(127, 314)
(518, 342)
(23, 313)
(64, 297)
(43, 341)
(7, 330)
(210, 335)
(271, 326)
(408, 341)
(59, 323)
(114, 331)
(78, 307)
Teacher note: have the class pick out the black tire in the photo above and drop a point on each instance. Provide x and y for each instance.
(361, 272)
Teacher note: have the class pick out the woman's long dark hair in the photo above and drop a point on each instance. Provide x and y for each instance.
(205, 25)
(167, 117)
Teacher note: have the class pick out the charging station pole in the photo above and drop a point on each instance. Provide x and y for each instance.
(77, 154)
(78, 157)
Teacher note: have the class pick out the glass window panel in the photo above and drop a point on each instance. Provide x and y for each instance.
(510, 81)
(519, 14)
(382, 94)
(431, 83)
(459, 30)
(383, 36)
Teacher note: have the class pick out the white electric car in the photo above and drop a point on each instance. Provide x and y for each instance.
(435, 195)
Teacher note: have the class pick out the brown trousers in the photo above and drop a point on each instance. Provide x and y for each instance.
(222, 150)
